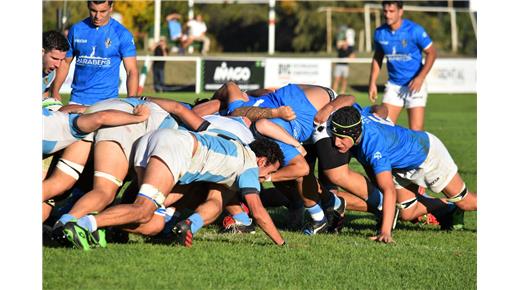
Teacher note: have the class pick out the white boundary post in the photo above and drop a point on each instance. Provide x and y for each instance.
(272, 21)
(157, 21)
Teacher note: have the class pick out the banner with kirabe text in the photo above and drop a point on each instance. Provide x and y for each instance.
(453, 75)
(282, 71)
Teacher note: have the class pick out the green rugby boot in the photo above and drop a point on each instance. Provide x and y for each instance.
(77, 236)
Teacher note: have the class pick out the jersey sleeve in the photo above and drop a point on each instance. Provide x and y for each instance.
(70, 38)
(422, 38)
(377, 36)
(247, 181)
(127, 47)
(377, 158)
(289, 152)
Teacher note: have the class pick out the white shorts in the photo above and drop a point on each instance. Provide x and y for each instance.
(124, 135)
(173, 147)
(434, 173)
(341, 70)
(400, 96)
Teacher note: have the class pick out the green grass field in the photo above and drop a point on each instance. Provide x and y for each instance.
(423, 257)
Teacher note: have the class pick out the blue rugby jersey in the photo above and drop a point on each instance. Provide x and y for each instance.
(385, 146)
(402, 49)
(98, 52)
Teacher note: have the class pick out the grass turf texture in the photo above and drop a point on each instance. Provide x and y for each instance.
(423, 257)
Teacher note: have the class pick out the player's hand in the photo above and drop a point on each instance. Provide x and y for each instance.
(323, 115)
(286, 113)
(415, 85)
(302, 150)
(383, 237)
(372, 93)
(142, 112)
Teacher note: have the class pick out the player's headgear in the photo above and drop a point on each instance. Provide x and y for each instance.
(346, 122)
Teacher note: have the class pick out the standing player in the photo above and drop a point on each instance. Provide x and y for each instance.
(98, 43)
(401, 42)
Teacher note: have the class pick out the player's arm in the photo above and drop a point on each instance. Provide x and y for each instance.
(296, 168)
(208, 108)
(61, 74)
(272, 130)
(257, 113)
(341, 101)
(377, 62)
(431, 54)
(132, 75)
(188, 117)
(386, 184)
(73, 108)
(92, 121)
(262, 218)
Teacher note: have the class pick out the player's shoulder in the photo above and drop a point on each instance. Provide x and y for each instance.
(119, 28)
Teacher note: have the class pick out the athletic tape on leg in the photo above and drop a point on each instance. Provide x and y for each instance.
(406, 204)
(152, 193)
(109, 177)
(70, 168)
(459, 196)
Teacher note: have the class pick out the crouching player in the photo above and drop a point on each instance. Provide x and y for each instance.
(399, 157)
(175, 156)
(61, 130)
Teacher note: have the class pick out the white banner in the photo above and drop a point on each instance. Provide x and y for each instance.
(66, 88)
(453, 76)
(282, 71)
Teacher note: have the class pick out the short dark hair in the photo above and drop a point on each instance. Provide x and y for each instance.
(101, 2)
(399, 4)
(54, 40)
(264, 147)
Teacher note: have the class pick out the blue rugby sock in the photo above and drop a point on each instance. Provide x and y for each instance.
(316, 212)
(196, 222)
(66, 218)
(243, 218)
(88, 222)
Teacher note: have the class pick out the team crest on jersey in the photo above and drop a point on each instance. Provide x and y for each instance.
(108, 42)
(404, 42)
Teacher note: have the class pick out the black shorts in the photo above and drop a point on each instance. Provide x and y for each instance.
(328, 155)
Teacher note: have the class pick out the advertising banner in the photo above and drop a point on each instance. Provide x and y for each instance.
(248, 75)
(453, 76)
(282, 71)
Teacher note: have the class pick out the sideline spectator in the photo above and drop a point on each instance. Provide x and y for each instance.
(401, 41)
(176, 36)
(345, 46)
(197, 32)
(161, 49)
(98, 43)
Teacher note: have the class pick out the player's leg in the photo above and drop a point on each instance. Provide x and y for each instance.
(68, 169)
(111, 167)
(457, 192)
(416, 118)
(393, 112)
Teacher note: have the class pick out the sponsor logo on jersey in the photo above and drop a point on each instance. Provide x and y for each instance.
(378, 155)
(79, 40)
(404, 43)
(108, 42)
(383, 42)
(92, 59)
